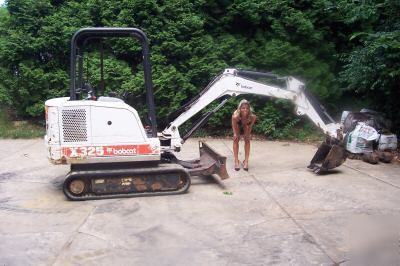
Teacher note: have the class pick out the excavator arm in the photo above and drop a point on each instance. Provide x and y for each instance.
(234, 82)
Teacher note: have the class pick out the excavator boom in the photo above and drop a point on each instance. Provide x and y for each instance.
(234, 82)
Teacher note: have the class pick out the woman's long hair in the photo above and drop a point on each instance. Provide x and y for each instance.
(244, 101)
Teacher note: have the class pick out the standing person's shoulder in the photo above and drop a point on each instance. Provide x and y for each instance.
(235, 115)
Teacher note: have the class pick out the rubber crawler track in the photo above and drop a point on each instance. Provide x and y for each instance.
(89, 175)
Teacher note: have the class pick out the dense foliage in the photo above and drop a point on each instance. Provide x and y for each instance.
(341, 49)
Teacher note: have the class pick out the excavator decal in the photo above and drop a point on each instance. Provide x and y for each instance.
(111, 150)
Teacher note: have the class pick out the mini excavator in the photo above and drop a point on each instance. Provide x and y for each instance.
(111, 154)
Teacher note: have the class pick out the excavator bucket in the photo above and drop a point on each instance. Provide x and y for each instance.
(209, 163)
(327, 157)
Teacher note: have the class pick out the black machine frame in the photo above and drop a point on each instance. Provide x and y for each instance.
(79, 40)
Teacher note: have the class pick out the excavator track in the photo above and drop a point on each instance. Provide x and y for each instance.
(163, 179)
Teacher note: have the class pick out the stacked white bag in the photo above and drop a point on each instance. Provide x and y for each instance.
(387, 142)
(360, 140)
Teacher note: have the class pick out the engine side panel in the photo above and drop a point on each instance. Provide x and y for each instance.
(118, 125)
(96, 132)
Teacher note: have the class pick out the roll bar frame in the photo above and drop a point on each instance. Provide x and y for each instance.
(88, 33)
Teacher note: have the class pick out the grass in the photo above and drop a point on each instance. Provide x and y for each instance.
(10, 129)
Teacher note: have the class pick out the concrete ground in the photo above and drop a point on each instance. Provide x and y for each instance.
(277, 213)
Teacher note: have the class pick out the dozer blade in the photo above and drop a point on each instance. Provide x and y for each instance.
(212, 161)
(209, 163)
(327, 157)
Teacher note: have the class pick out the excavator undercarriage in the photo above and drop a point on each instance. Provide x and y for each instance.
(171, 176)
(160, 179)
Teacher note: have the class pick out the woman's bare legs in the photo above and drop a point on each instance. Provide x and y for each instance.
(246, 152)
(236, 152)
(236, 137)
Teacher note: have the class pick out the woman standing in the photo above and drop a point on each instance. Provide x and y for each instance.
(242, 122)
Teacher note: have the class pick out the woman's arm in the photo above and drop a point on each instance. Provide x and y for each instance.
(253, 120)
(249, 127)
(235, 126)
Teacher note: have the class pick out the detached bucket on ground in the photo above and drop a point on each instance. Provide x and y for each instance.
(327, 157)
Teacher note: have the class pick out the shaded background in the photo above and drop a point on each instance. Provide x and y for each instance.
(346, 52)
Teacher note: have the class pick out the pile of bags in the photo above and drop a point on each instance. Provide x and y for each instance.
(368, 136)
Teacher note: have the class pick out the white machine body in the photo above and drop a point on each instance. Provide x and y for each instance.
(103, 131)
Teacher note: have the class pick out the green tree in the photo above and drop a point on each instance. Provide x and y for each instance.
(192, 41)
(372, 68)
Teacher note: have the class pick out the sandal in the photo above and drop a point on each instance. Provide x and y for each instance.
(237, 167)
(245, 168)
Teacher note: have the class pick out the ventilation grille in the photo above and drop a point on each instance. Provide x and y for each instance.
(74, 125)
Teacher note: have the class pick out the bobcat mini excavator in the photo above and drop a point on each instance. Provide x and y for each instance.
(111, 153)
